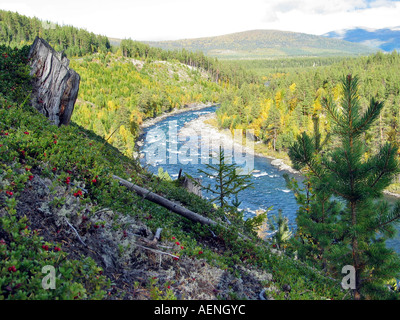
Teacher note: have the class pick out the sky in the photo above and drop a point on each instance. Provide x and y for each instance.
(183, 19)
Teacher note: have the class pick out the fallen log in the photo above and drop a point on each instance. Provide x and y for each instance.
(174, 207)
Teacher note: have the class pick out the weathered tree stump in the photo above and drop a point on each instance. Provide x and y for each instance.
(188, 184)
(55, 85)
(192, 187)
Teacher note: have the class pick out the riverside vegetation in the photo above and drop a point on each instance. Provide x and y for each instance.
(56, 183)
(289, 98)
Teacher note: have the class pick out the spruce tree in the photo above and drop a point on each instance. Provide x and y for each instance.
(356, 234)
(317, 225)
(228, 181)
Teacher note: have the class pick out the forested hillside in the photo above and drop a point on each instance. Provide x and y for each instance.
(219, 72)
(121, 86)
(18, 30)
(285, 104)
(261, 44)
(118, 93)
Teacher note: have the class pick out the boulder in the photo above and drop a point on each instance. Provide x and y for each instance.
(282, 166)
(277, 162)
(55, 85)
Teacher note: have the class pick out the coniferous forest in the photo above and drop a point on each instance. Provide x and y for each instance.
(336, 119)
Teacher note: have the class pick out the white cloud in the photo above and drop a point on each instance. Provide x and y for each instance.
(176, 19)
(317, 17)
(373, 43)
(325, 7)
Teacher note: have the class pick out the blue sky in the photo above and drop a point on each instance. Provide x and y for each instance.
(180, 19)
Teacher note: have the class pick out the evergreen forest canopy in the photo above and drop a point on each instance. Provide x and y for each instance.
(285, 104)
(18, 30)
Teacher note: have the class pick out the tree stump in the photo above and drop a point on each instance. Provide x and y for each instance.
(55, 85)
(189, 185)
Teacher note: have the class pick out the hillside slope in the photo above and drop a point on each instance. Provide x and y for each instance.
(266, 43)
(61, 209)
(118, 93)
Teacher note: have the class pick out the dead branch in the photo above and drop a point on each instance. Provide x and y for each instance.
(157, 251)
(152, 243)
(157, 236)
(76, 232)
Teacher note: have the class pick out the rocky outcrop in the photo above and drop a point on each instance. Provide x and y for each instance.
(55, 85)
(282, 166)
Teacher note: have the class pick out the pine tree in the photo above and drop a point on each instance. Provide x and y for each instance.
(317, 225)
(359, 230)
(228, 181)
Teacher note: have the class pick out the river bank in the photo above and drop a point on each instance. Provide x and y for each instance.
(190, 107)
(208, 132)
(186, 143)
(203, 125)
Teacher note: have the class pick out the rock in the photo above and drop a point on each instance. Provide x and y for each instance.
(55, 85)
(253, 137)
(277, 162)
(282, 166)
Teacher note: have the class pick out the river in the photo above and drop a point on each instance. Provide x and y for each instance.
(178, 142)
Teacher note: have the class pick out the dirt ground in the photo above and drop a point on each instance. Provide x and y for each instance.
(129, 258)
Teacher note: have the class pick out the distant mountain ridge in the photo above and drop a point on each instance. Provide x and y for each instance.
(386, 39)
(265, 44)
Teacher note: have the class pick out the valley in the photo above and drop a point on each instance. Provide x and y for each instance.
(262, 44)
(294, 93)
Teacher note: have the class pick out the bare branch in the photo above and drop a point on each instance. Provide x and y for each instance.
(76, 232)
